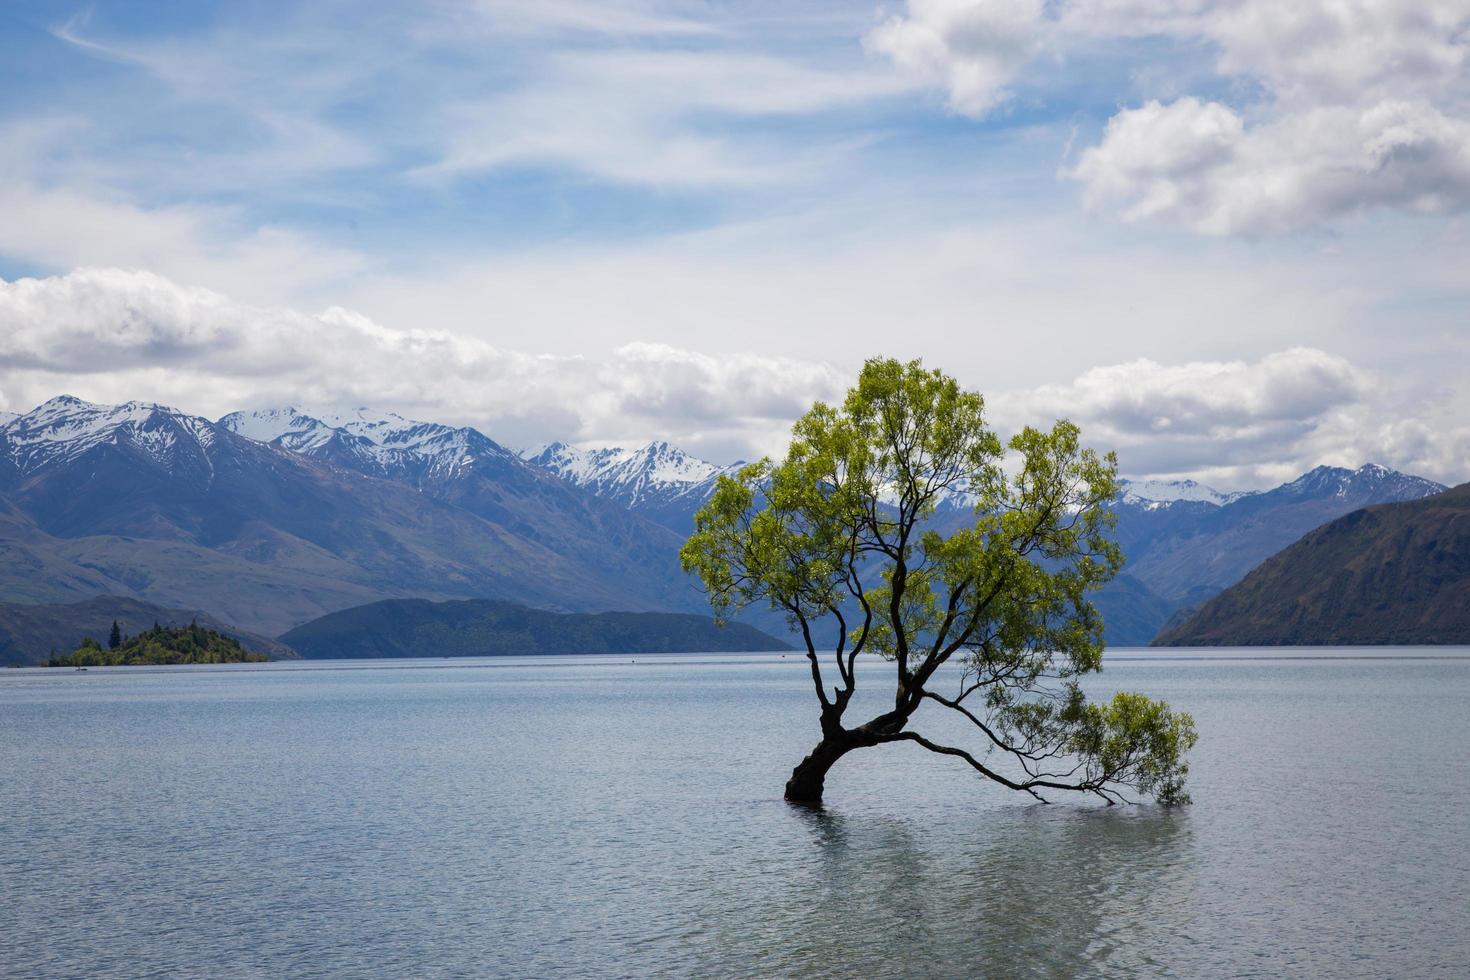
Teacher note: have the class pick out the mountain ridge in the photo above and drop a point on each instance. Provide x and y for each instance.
(657, 480)
(480, 627)
(142, 500)
(1393, 573)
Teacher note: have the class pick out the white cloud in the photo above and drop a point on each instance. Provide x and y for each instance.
(1342, 107)
(1213, 399)
(972, 48)
(1198, 164)
(1250, 423)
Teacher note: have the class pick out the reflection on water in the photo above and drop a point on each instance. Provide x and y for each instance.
(1032, 891)
(595, 817)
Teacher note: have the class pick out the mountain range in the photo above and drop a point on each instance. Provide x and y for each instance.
(1184, 550)
(144, 501)
(271, 518)
(1394, 573)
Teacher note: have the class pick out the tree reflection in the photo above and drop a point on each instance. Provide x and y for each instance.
(1018, 891)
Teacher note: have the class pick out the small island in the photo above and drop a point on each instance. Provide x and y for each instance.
(192, 644)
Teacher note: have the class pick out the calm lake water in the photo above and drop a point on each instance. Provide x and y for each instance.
(595, 816)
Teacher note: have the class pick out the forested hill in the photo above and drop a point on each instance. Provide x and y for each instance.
(1394, 573)
(483, 627)
(192, 644)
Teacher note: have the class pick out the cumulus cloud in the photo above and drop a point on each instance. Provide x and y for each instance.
(1344, 106)
(115, 334)
(1213, 399)
(1363, 106)
(1197, 163)
(1249, 423)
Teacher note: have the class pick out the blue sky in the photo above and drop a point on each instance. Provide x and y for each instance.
(1226, 236)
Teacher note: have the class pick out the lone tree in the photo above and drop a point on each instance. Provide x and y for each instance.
(842, 538)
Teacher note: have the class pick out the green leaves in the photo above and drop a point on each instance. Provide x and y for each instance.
(1138, 742)
(848, 526)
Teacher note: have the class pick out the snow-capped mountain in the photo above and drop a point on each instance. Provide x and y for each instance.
(145, 501)
(658, 480)
(1369, 483)
(1151, 494)
(387, 444)
(65, 428)
(8, 417)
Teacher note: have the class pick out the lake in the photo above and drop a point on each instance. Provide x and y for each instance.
(600, 816)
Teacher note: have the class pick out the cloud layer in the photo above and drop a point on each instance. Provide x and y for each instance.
(115, 334)
(111, 334)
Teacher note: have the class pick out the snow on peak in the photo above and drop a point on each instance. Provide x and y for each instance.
(65, 427)
(1378, 483)
(382, 442)
(1158, 493)
(657, 470)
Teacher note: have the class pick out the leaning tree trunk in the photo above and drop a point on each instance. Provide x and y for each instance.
(807, 779)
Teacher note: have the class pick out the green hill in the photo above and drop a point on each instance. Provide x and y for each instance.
(1391, 574)
(483, 627)
(192, 644)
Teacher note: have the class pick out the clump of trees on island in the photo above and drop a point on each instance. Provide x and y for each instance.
(990, 625)
(192, 644)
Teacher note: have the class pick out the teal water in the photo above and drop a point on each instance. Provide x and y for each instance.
(596, 816)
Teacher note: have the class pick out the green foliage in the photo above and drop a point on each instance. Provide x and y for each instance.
(840, 530)
(192, 644)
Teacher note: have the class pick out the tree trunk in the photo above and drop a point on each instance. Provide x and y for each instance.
(807, 779)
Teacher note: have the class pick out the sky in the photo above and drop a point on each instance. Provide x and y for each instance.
(1229, 238)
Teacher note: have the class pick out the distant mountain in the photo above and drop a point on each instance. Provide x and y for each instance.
(1185, 542)
(1191, 549)
(30, 632)
(657, 481)
(142, 500)
(387, 445)
(478, 628)
(270, 518)
(1394, 573)
(1152, 494)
